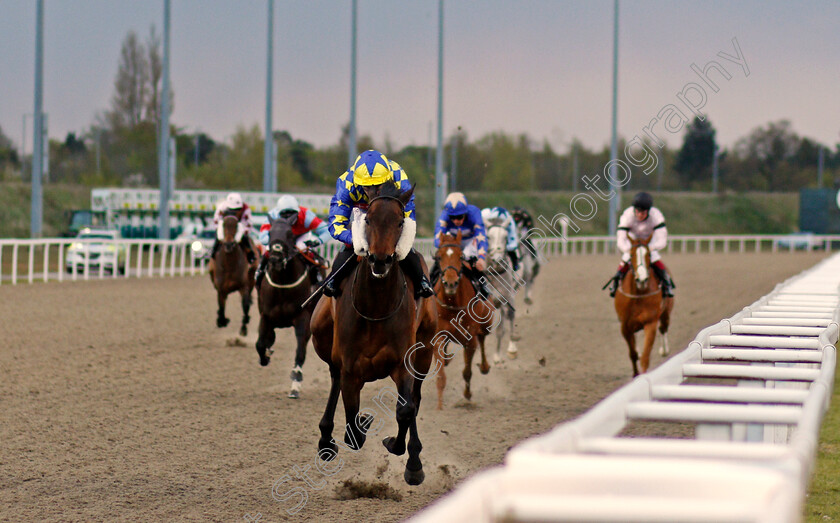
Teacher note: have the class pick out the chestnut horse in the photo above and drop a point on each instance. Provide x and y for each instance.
(640, 306)
(230, 272)
(458, 316)
(373, 330)
(285, 286)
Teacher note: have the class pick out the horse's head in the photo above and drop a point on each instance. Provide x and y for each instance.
(450, 257)
(384, 226)
(497, 236)
(230, 226)
(640, 258)
(281, 243)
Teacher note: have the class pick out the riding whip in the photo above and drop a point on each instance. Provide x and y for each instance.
(320, 289)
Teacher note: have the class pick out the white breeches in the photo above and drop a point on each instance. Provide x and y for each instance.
(301, 241)
(654, 257)
(469, 248)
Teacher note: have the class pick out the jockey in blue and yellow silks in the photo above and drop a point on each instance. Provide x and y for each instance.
(459, 216)
(353, 190)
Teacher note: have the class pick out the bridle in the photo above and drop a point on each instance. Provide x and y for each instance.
(635, 264)
(458, 271)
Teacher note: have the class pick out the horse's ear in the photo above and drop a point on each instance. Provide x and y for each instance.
(405, 197)
(270, 220)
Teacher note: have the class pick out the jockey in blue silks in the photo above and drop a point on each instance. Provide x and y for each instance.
(458, 215)
(500, 216)
(353, 191)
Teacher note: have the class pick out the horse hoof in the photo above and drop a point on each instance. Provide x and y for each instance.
(264, 360)
(497, 360)
(484, 369)
(391, 444)
(330, 447)
(414, 477)
(222, 322)
(528, 301)
(243, 331)
(294, 394)
(467, 394)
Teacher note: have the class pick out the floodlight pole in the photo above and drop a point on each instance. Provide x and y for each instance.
(351, 138)
(269, 175)
(615, 201)
(37, 210)
(439, 181)
(163, 143)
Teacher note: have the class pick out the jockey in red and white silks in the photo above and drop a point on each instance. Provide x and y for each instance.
(233, 205)
(642, 220)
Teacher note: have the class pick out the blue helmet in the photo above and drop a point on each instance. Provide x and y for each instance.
(456, 204)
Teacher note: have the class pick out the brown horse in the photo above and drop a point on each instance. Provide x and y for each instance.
(288, 282)
(640, 306)
(230, 272)
(373, 330)
(458, 316)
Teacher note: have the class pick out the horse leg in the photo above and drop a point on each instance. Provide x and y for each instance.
(246, 307)
(265, 340)
(483, 367)
(414, 474)
(512, 350)
(500, 333)
(221, 321)
(469, 352)
(405, 411)
(327, 449)
(355, 432)
(650, 337)
(441, 377)
(630, 338)
(302, 334)
(664, 323)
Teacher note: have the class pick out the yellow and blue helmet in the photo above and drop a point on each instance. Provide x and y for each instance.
(371, 168)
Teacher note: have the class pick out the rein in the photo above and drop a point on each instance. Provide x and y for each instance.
(636, 296)
(368, 318)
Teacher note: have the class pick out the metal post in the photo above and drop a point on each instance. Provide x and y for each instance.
(173, 164)
(575, 174)
(453, 180)
(269, 179)
(715, 171)
(163, 142)
(37, 211)
(351, 143)
(820, 161)
(615, 201)
(439, 188)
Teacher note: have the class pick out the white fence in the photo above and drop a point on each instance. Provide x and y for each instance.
(24, 260)
(755, 440)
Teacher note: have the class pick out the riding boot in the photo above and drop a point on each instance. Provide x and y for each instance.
(340, 269)
(476, 276)
(514, 259)
(246, 246)
(215, 248)
(261, 270)
(665, 280)
(434, 274)
(412, 267)
(614, 282)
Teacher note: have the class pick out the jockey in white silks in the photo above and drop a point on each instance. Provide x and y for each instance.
(233, 205)
(500, 215)
(642, 220)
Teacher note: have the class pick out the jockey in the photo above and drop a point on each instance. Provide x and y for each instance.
(524, 220)
(501, 216)
(641, 220)
(309, 230)
(233, 205)
(352, 191)
(458, 215)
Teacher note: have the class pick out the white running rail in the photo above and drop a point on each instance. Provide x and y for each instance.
(756, 429)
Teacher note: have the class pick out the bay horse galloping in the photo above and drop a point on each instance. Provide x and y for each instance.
(287, 283)
(230, 272)
(640, 306)
(374, 330)
(465, 321)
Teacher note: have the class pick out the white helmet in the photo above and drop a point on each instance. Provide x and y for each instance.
(287, 202)
(234, 200)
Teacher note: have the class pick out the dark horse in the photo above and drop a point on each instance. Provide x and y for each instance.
(230, 272)
(286, 285)
(640, 306)
(465, 320)
(373, 330)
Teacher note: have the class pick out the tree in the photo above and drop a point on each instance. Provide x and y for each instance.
(694, 160)
(771, 149)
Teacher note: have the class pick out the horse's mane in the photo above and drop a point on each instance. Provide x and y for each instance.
(448, 239)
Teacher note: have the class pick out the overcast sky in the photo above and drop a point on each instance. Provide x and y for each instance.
(541, 67)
